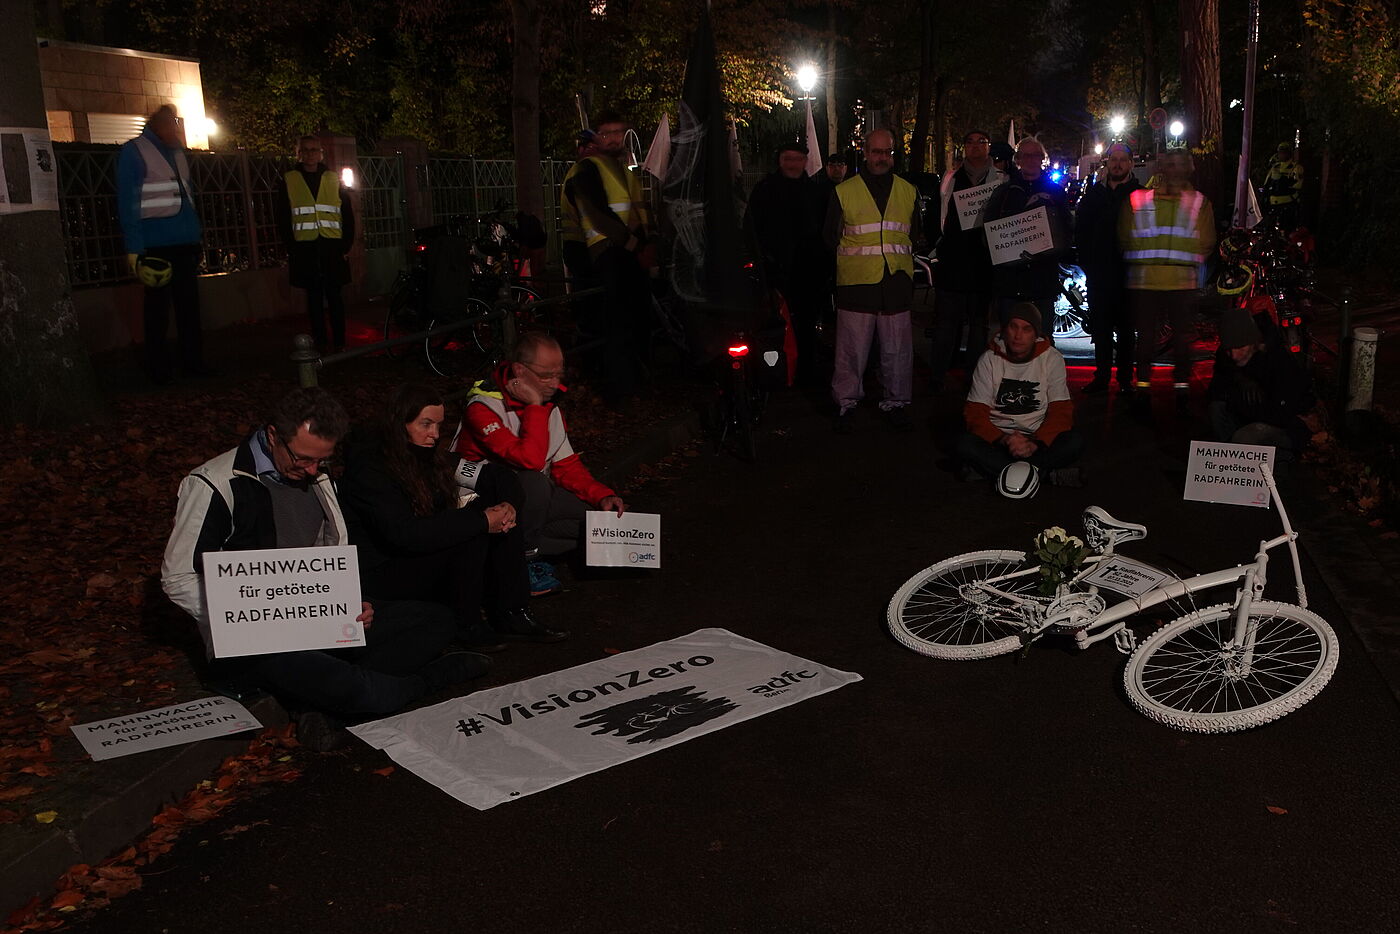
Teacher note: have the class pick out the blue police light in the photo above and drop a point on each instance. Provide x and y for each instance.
(1056, 176)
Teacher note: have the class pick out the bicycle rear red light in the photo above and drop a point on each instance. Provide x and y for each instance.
(739, 350)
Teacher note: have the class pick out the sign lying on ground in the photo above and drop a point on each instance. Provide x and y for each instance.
(1126, 576)
(631, 540)
(512, 741)
(1020, 236)
(1228, 473)
(283, 600)
(970, 202)
(206, 718)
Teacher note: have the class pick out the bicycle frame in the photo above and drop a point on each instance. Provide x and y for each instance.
(1111, 621)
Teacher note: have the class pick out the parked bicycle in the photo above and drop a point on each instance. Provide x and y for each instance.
(1071, 302)
(1216, 669)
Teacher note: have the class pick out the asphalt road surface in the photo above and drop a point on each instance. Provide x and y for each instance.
(1010, 794)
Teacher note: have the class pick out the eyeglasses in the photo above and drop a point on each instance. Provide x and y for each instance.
(882, 152)
(301, 460)
(977, 142)
(551, 377)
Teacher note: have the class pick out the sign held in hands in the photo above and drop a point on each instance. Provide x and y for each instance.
(283, 600)
(1014, 239)
(632, 540)
(969, 203)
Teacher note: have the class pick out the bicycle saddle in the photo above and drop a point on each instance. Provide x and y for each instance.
(1103, 532)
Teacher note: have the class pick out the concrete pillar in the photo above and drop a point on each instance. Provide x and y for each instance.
(1361, 380)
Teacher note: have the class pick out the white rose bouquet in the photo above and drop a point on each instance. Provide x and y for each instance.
(1060, 555)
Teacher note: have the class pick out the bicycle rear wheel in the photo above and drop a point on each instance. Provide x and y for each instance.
(466, 350)
(942, 612)
(1188, 676)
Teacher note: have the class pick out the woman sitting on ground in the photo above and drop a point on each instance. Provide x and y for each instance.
(403, 496)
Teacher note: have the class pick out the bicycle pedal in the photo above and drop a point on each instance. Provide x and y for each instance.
(1125, 640)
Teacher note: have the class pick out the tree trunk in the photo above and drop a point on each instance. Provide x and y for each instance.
(940, 125)
(923, 104)
(833, 142)
(1200, 87)
(525, 105)
(45, 374)
(1151, 62)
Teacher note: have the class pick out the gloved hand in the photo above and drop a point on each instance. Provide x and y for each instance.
(1251, 394)
(131, 260)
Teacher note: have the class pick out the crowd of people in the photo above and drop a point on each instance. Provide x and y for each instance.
(456, 521)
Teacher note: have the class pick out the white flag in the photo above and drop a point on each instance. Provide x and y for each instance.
(736, 166)
(814, 156)
(659, 155)
(1011, 133)
(1252, 215)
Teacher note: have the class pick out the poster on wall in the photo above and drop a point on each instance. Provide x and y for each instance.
(28, 171)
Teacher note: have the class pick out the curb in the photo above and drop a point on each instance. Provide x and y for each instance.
(137, 794)
(1354, 565)
(124, 812)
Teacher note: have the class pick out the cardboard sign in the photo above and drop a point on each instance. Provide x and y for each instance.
(632, 540)
(969, 203)
(1228, 473)
(1011, 237)
(166, 726)
(1126, 576)
(283, 600)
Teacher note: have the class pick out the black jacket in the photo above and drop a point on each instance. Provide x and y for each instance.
(1096, 229)
(1040, 277)
(1272, 388)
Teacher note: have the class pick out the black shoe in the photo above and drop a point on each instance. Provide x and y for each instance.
(1095, 385)
(321, 732)
(454, 668)
(520, 626)
(845, 422)
(481, 638)
(898, 419)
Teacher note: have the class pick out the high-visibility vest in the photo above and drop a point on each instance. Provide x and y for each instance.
(318, 216)
(623, 190)
(164, 185)
(1164, 230)
(1284, 170)
(872, 243)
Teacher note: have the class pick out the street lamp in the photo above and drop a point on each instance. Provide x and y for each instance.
(1098, 149)
(807, 78)
(1118, 124)
(1176, 129)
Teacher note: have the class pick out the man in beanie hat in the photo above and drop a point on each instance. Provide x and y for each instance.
(1259, 389)
(1019, 406)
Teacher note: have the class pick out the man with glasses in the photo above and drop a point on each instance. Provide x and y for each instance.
(1035, 279)
(272, 492)
(871, 225)
(1096, 239)
(512, 420)
(318, 226)
(604, 198)
(963, 281)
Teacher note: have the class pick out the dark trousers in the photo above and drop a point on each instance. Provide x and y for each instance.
(324, 298)
(626, 321)
(990, 460)
(552, 520)
(1110, 325)
(1228, 427)
(485, 571)
(1150, 308)
(183, 293)
(379, 678)
(951, 311)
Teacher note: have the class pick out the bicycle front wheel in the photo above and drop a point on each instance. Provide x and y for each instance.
(462, 352)
(1188, 675)
(943, 612)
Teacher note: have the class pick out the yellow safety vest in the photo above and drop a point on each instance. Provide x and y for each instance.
(1287, 170)
(872, 243)
(624, 193)
(1164, 231)
(318, 216)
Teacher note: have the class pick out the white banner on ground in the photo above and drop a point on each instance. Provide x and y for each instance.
(1012, 238)
(504, 743)
(193, 720)
(1126, 576)
(283, 600)
(970, 202)
(1228, 473)
(631, 540)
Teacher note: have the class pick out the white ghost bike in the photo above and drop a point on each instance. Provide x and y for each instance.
(1216, 669)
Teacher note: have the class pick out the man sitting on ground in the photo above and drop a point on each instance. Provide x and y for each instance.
(270, 492)
(1019, 407)
(1258, 390)
(512, 419)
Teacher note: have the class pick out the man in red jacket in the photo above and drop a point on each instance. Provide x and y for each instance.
(511, 419)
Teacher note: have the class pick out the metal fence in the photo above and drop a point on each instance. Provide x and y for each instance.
(236, 196)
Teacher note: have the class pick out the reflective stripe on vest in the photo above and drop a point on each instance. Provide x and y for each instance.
(1162, 243)
(622, 188)
(318, 216)
(164, 187)
(871, 243)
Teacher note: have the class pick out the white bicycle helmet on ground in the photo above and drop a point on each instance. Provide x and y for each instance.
(1018, 480)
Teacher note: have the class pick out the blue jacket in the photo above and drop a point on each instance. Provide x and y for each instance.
(178, 230)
